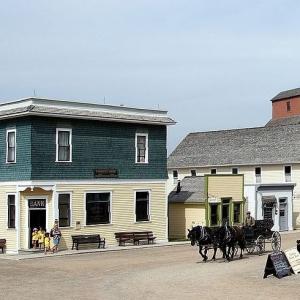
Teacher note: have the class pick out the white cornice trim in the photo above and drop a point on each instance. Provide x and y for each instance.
(80, 105)
(233, 165)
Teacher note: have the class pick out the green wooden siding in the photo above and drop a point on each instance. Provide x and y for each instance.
(96, 145)
(21, 170)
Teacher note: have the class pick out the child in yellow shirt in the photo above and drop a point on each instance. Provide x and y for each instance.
(35, 238)
(41, 234)
(47, 242)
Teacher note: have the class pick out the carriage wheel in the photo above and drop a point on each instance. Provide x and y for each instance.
(260, 245)
(250, 248)
(276, 241)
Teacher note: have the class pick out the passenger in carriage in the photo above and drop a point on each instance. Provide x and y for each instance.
(249, 220)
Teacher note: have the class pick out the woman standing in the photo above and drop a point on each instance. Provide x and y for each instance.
(55, 233)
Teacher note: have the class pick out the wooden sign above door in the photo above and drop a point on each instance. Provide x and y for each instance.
(37, 203)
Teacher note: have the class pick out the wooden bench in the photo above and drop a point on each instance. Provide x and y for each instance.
(2, 244)
(88, 239)
(134, 237)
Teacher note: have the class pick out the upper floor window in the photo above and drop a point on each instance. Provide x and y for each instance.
(175, 176)
(288, 106)
(258, 174)
(11, 146)
(141, 148)
(213, 171)
(63, 145)
(234, 170)
(193, 173)
(287, 173)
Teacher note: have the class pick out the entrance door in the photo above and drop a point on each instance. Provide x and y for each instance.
(225, 211)
(37, 218)
(283, 218)
(268, 211)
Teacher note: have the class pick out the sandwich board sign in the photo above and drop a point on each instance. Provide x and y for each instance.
(293, 256)
(277, 265)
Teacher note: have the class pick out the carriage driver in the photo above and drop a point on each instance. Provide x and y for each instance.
(249, 221)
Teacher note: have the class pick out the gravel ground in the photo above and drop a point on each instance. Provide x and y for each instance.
(174, 272)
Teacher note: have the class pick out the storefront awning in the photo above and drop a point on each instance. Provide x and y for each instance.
(268, 199)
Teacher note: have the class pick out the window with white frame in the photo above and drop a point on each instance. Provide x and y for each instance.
(234, 171)
(63, 145)
(141, 147)
(288, 173)
(213, 171)
(98, 208)
(11, 146)
(258, 174)
(175, 176)
(11, 211)
(142, 206)
(193, 173)
(64, 209)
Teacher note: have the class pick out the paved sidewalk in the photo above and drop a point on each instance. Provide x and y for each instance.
(34, 255)
(31, 255)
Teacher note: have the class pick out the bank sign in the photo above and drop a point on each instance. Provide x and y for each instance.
(37, 203)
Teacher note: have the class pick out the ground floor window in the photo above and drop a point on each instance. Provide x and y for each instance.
(11, 205)
(225, 211)
(64, 208)
(142, 211)
(268, 211)
(98, 208)
(237, 212)
(214, 214)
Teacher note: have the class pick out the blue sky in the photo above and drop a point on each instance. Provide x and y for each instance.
(211, 64)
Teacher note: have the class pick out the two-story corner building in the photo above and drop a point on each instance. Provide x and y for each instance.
(268, 157)
(94, 168)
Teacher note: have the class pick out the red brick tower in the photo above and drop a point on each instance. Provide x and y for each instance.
(286, 104)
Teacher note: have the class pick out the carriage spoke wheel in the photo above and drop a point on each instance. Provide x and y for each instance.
(250, 248)
(276, 241)
(260, 245)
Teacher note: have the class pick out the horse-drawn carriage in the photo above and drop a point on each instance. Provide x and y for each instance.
(259, 235)
(231, 238)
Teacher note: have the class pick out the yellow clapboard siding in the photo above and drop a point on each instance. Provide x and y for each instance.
(226, 186)
(123, 213)
(184, 216)
(10, 234)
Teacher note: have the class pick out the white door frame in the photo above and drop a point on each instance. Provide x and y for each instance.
(27, 214)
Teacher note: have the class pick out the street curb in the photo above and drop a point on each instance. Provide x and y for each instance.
(18, 257)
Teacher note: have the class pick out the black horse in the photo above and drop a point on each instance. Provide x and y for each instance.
(229, 237)
(206, 238)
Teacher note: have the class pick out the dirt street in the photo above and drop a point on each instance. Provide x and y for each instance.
(175, 272)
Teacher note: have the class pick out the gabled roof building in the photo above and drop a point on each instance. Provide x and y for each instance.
(268, 157)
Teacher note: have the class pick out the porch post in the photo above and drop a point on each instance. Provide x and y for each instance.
(18, 217)
(55, 204)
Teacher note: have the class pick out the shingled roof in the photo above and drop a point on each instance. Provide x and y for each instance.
(287, 94)
(284, 121)
(249, 146)
(192, 191)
